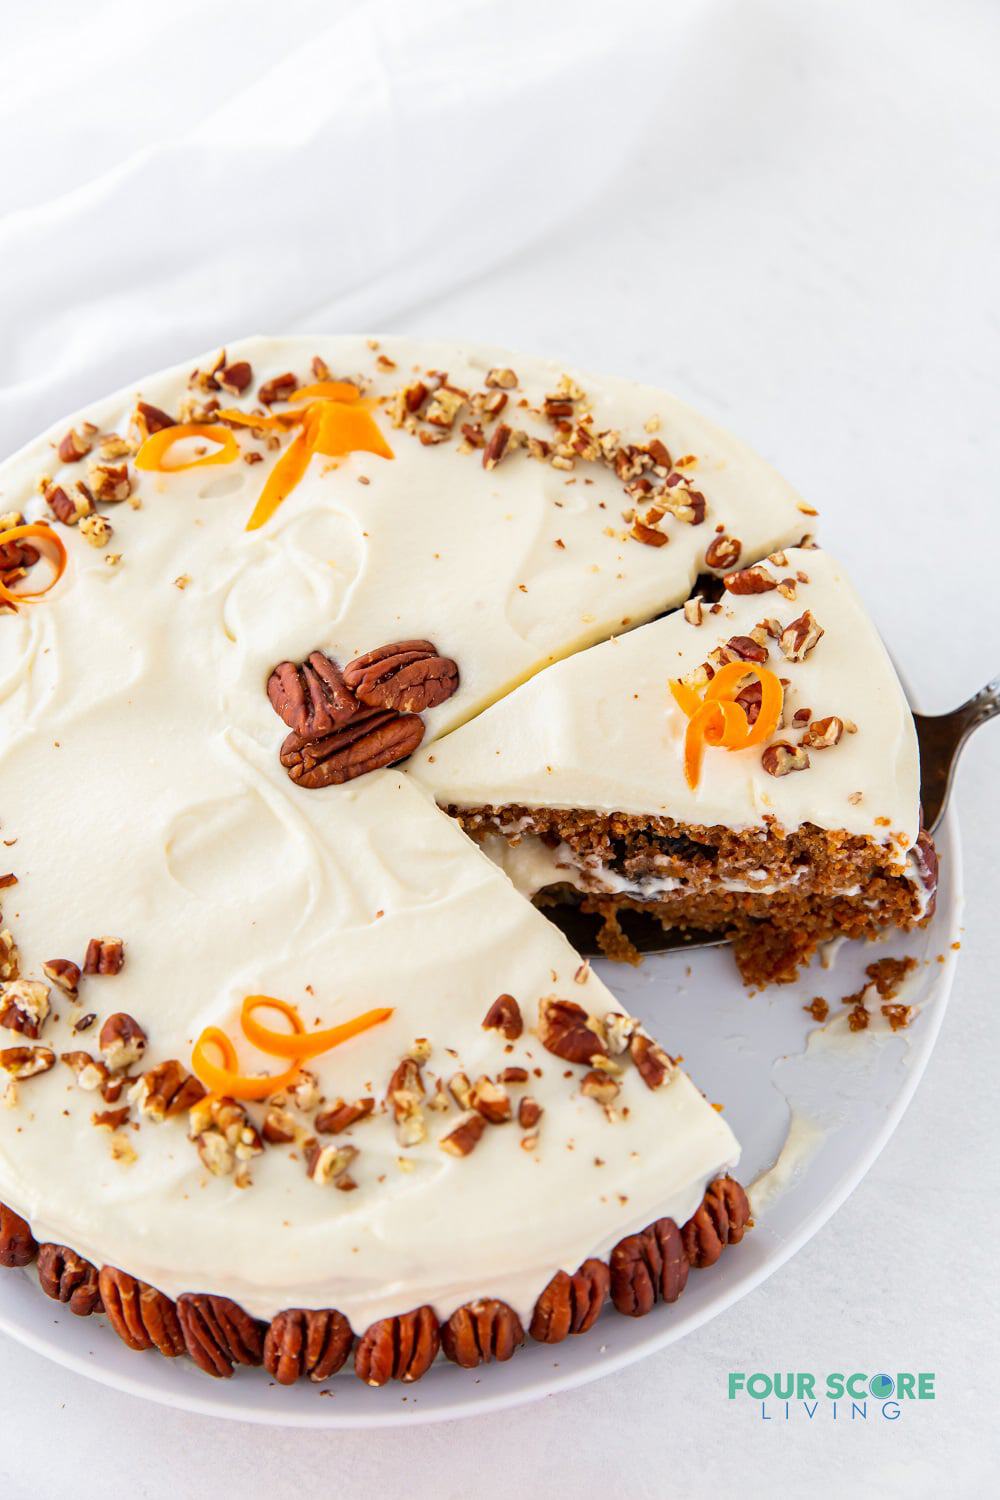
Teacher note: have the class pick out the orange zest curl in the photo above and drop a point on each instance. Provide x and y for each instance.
(38, 532)
(225, 1078)
(716, 719)
(333, 420)
(154, 451)
(297, 1044)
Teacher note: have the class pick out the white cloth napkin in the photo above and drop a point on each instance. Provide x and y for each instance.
(188, 174)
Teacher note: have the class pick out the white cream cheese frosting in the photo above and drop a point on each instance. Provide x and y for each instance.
(143, 798)
(601, 730)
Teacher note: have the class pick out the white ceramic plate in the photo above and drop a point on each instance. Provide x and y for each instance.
(749, 1051)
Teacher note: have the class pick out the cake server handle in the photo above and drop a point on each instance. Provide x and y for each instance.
(941, 737)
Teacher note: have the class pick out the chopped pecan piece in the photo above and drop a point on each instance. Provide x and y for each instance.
(110, 1119)
(166, 1090)
(618, 1029)
(311, 697)
(781, 758)
(404, 1097)
(77, 443)
(142, 1317)
(504, 1015)
(218, 1334)
(720, 1221)
(655, 1066)
(821, 734)
(147, 419)
(600, 1086)
(303, 1342)
(564, 1028)
(372, 741)
(514, 1075)
(279, 1127)
(408, 676)
(26, 1062)
(502, 379)
(10, 958)
(746, 648)
(96, 530)
(235, 378)
(723, 552)
(341, 1115)
(648, 1267)
(223, 1133)
(278, 388)
(24, 1006)
(67, 1277)
(800, 636)
(481, 1332)
(17, 1243)
(693, 611)
(105, 955)
(122, 1040)
(68, 506)
(529, 1112)
(570, 1304)
(755, 580)
(111, 483)
(90, 1072)
(444, 407)
(497, 446)
(491, 1100)
(64, 974)
(400, 1348)
(463, 1139)
(326, 1164)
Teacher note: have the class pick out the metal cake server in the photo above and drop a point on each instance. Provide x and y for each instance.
(940, 738)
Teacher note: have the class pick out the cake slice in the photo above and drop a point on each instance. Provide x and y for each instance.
(597, 782)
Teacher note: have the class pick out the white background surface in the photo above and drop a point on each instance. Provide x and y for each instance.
(797, 230)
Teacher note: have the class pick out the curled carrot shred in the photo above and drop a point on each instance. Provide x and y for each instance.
(153, 453)
(225, 1078)
(40, 533)
(326, 390)
(297, 1044)
(717, 719)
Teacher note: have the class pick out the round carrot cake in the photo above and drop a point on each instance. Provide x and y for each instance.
(306, 724)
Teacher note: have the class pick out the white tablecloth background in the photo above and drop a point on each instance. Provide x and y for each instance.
(785, 212)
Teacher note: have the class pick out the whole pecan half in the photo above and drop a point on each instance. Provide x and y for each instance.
(302, 1342)
(648, 1267)
(400, 1348)
(481, 1332)
(142, 1317)
(311, 696)
(408, 676)
(563, 1029)
(17, 1243)
(720, 1221)
(219, 1334)
(570, 1304)
(373, 740)
(67, 1277)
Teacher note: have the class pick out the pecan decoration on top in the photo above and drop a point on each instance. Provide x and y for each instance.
(142, 1317)
(400, 1348)
(67, 1277)
(504, 1015)
(312, 697)
(17, 1243)
(303, 1342)
(481, 1332)
(648, 1267)
(219, 1334)
(570, 1304)
(371, 741)
(564, 1029)
(720, 1221)
(408, 676)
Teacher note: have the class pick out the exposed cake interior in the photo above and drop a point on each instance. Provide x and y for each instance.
(775, 893)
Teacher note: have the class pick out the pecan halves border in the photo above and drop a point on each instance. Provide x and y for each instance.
(643, 1269)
